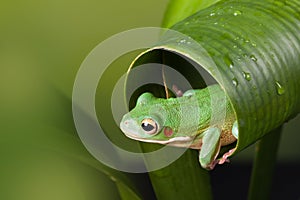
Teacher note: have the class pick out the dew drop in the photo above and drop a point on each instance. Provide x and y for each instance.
(280, 89)
(235, 82)
(181, 41)
(252, 57)
(237, 13)
(212, 14)
(228, 61)
(247, 76)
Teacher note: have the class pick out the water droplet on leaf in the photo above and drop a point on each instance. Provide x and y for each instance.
(181, 41)
(280, 89)
(228, 61)
(237, 13)
(247, 76)
(235, 82)
(252, 57)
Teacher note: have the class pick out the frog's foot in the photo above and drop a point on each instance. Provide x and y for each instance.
(221, 160)
(177, 91)
(212, 165)
(225, 157)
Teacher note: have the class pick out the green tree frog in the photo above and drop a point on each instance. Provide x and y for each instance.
(185, 121)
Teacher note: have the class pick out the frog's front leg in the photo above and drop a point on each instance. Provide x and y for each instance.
(210, 148)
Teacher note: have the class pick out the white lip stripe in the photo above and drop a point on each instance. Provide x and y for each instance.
(176, 139)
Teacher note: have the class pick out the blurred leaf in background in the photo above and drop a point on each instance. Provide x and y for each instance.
(178, 10)
(42, 45)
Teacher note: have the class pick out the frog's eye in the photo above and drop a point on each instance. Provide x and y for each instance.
(149, 126)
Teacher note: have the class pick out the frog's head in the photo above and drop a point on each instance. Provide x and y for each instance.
(155, 120)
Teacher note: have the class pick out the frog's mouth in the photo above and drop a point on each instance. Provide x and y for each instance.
(184, 140)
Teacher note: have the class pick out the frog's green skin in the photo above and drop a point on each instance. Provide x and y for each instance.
(185, 121)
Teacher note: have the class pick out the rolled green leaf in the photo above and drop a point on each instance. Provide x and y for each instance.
(255, 49)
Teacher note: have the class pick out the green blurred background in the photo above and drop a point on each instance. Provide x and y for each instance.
(42, 45)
